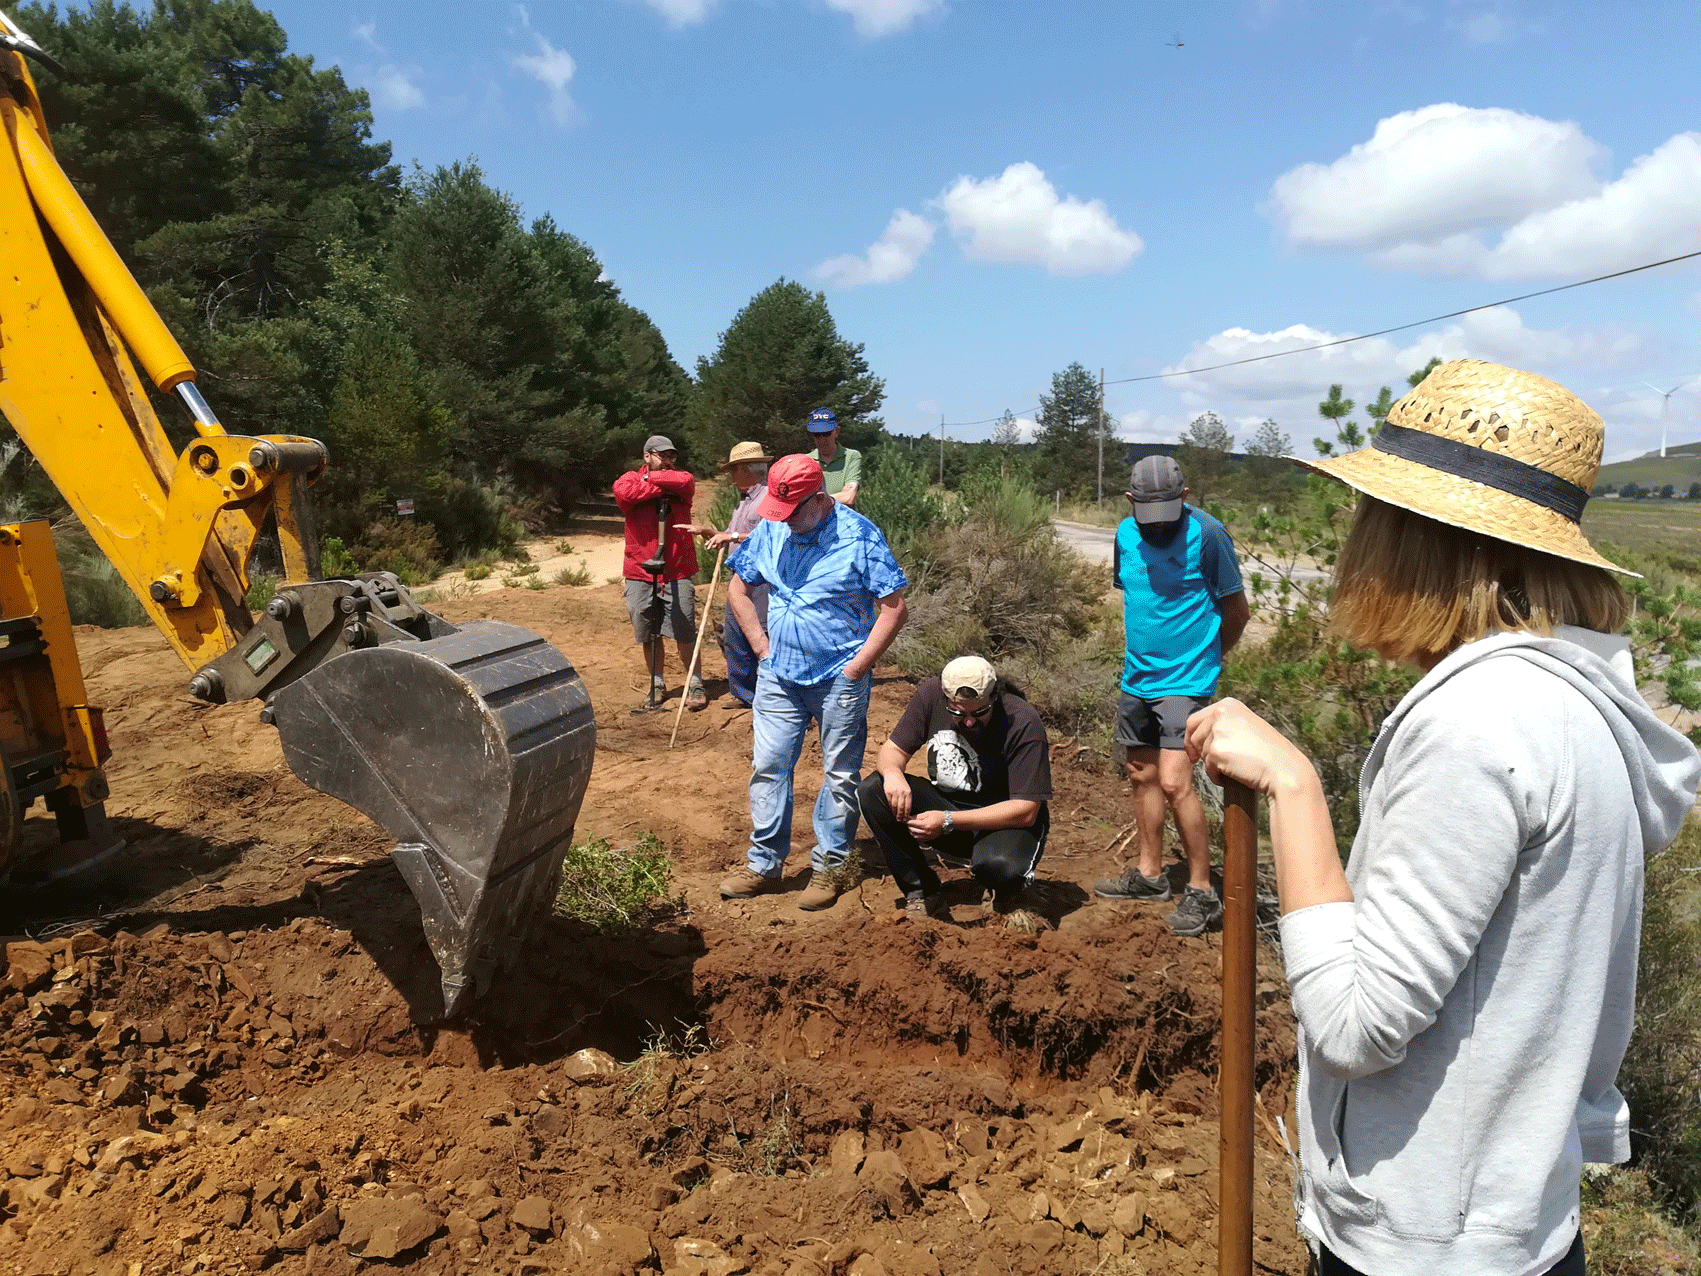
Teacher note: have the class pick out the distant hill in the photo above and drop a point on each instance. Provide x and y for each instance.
(1680, 466)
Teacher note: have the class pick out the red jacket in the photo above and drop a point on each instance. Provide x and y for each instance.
(636, 493)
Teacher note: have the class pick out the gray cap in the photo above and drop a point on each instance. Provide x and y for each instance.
(659, 443)
(1157, 489)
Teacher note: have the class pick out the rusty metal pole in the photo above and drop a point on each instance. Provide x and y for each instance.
(1235, 1087)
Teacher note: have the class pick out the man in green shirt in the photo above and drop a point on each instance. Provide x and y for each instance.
(841, 467)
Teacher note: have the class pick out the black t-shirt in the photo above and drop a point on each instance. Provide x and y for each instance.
(1010, 757)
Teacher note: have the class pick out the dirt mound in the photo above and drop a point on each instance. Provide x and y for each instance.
(217, 1062)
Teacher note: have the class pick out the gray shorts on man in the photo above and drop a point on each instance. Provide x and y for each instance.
(667, 612)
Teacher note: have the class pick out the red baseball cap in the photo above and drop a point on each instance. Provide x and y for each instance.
(792, 480)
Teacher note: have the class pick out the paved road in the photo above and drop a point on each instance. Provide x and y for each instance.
(1094, 544)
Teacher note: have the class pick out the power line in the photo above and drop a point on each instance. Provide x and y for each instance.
(1381, 332)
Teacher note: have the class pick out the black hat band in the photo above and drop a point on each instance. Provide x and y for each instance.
(1491, 469)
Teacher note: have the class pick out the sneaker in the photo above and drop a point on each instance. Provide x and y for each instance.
(658, 693)
(1197, 913)
(1134, 885)
(747, 883)
(823, 891)
(918, 905)
(696, 697)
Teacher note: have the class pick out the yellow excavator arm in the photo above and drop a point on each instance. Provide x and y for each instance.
(471, 745)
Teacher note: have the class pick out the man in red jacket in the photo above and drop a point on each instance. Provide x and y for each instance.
(659, 595)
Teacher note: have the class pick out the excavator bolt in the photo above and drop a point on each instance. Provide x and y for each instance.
(207, 685)
(282, 607)
(162, 591)
(262, 456)
(355, 635)
(353, 604)
(268, 715)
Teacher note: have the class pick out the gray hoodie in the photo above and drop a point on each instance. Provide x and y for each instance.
(1462, 1020)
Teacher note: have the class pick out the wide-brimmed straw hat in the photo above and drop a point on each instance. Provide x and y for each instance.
(1493, 450)
(745, 454)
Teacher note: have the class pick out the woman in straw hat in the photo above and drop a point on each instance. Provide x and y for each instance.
(1465, 988)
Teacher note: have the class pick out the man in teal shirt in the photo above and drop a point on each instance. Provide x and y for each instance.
(841, 467)
(1183, 607)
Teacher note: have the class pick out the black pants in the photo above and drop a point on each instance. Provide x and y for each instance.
(1570, 1265)
(1002, 859)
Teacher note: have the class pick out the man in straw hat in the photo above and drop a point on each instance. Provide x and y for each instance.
(1471, 975)
(986, 796)
(1183, 608)
(835, 601)
(747, 467)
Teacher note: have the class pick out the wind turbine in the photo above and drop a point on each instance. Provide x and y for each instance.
(1665, 406)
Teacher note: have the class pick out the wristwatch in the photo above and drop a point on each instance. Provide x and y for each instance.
(949, 822)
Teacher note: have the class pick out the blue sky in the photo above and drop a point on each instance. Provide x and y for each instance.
(987, 191)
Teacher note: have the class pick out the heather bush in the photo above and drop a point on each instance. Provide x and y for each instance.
(408, 549)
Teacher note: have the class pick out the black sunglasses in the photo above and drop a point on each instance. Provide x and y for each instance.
(969, 715)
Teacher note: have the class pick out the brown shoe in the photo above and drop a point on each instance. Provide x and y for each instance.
(747, 883)
(823, 891)
(695, 697)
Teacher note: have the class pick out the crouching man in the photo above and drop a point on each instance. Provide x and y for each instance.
(985, 799)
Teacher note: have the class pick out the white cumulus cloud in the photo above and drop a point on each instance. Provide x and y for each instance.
(875, 18)
(1495, 194)
(890, 258)
(551, 67)
(393, 87)
(1440, 171)
(682, 13)
(1289, 389)
(1019, 217)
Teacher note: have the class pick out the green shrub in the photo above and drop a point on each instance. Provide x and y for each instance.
(260, 590)
(335, 561)
(478, 571)
(469, 517)
(536, 582)
(1626, 1232)
(94, 591)
(720, 514)
(1661, 1076)
(995, 583)
(527, 569)
(615, 890)
(895, 495)
(578, 574)
(407, 548)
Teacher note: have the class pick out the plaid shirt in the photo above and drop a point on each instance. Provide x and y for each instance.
(822, 588)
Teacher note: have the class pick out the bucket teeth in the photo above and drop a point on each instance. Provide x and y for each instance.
(473, 751)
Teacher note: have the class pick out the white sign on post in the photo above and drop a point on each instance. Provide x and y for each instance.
(404, 507)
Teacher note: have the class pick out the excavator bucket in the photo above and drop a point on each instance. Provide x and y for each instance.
(473, 750)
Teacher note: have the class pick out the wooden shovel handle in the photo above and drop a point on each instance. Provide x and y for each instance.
(1235, 1081)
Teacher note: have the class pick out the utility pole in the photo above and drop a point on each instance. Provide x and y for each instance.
(1098, 429)
(941, 449)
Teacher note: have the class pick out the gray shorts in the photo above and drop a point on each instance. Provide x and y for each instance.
(671, 615)
(1155, 724)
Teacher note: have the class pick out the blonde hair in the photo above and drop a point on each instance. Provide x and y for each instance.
(1411, 588)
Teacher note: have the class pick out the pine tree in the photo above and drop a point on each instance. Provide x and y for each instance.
(1068, 432)
(1270, 441)
(781, 357)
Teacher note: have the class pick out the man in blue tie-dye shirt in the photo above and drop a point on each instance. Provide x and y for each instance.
(835, 601)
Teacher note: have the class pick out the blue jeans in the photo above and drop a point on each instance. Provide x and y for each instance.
(781, 715)
(740, 661)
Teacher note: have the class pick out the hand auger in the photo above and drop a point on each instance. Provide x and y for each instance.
(654, 652)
